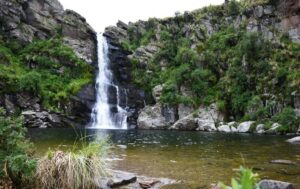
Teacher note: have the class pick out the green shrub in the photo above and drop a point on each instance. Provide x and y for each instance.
(288, 119)
(16, 161)
(31, 82)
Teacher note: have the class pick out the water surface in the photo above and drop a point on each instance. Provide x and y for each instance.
(197, 159)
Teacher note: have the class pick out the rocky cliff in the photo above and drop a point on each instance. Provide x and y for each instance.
(26, 23)
(232, 62)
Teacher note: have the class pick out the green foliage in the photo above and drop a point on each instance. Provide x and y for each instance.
(246, 180)
(247, 75)
(48, 69)
(252, 3)
(288, 119)
(233, 8)
(16, 161)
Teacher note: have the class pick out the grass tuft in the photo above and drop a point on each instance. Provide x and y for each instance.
(79, 168)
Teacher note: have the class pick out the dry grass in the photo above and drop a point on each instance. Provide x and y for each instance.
(81, 168)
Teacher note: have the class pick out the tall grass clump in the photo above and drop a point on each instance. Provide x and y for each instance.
(77, 168)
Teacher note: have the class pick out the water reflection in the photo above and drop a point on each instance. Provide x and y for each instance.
(194, 157)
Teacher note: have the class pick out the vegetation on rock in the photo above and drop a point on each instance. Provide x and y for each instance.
(48, 69)
(249, 76)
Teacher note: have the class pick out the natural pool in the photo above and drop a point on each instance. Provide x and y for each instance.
(198, 159)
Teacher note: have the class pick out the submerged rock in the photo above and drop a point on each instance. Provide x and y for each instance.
(284, 162)
(273, 184)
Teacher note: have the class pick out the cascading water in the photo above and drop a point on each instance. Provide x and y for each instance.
(102, 117)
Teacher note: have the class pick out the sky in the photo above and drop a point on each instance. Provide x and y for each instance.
(102, 13)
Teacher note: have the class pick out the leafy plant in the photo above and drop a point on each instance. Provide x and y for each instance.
(246, 180)
(16, 161)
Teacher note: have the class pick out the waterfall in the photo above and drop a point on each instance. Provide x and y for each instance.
(102, 116)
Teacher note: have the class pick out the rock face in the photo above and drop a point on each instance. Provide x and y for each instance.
(130, 97)
(155, 117)
(26, 20)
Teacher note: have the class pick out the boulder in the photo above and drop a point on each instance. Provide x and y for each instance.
(245, 126)
(207, 117)
(224, 128)
(205, 125)
(185, 124)
(120, 179)
(274, 184)
(260, 128)
(233, 129)
(295, 140)
(273, 129)
(151, 117)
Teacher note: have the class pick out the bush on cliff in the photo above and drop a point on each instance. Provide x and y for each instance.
(47, 69)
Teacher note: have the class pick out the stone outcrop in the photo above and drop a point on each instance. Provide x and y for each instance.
(155, 117)
(26, 20)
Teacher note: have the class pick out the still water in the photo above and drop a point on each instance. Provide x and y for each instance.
(195, 158)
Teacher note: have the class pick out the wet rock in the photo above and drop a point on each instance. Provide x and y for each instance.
(273, 184)
(224, 128)
(295, 140)
(187, 123)
(245, 126)
(140, 182)
(121, 179)
(148, 184)
(284, 162)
